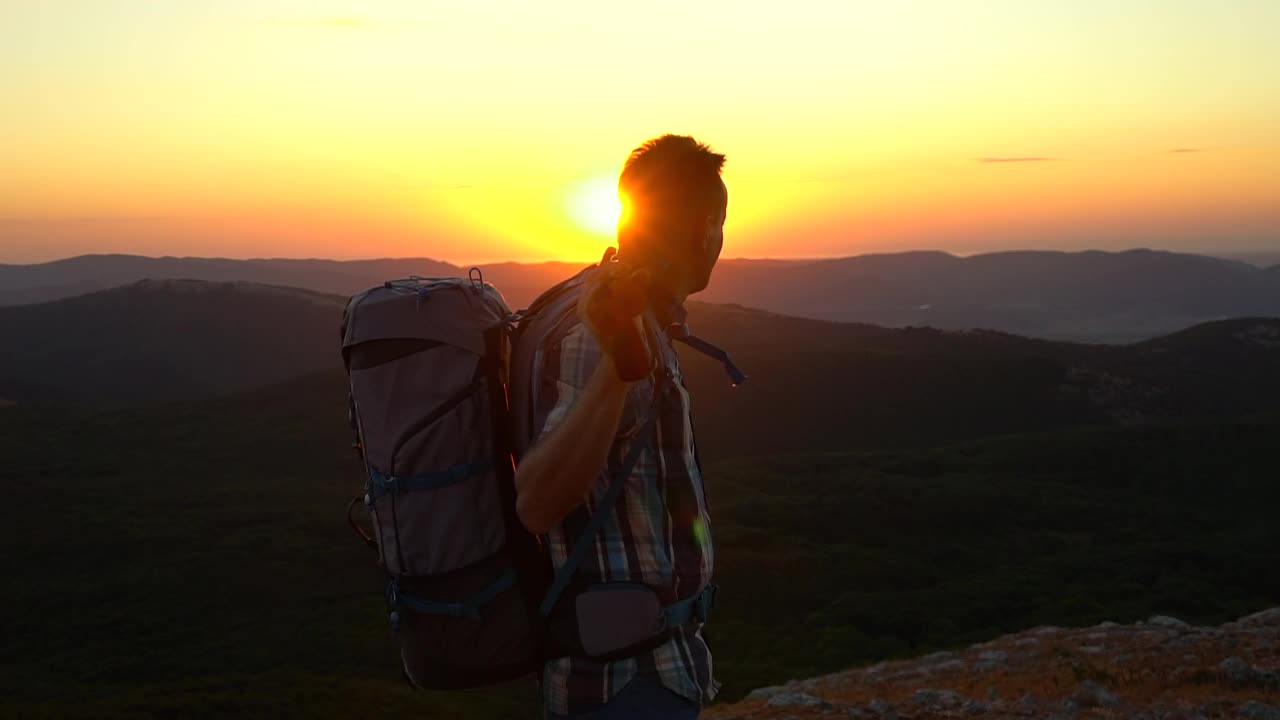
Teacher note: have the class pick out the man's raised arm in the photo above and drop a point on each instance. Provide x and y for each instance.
(560, 469)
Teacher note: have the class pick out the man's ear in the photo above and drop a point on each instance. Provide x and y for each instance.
(707, 231)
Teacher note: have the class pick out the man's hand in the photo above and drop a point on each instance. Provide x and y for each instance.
(613, 297)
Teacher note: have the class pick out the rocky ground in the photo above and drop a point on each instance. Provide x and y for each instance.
(1159, 669)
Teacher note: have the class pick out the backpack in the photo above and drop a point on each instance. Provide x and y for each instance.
(440, 373)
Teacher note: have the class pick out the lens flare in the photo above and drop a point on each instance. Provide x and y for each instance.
(595, 206)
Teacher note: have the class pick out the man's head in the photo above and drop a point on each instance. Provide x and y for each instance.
(674, 211)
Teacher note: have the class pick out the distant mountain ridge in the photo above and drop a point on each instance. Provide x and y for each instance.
(158, 340)
(1083, 296)
(1086, 296)
(842, 386)
(1261, 259)
(23, 284)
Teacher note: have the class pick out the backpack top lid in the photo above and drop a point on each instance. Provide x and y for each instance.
(461, 310)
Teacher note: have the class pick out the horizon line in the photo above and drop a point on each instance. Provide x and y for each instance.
(1230, 254)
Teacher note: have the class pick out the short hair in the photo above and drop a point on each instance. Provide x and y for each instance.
(670, 175)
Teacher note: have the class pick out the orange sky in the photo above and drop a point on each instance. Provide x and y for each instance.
(493, 130)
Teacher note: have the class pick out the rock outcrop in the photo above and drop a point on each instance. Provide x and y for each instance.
(1161, 669)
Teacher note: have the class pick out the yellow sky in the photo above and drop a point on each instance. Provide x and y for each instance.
(474, 131)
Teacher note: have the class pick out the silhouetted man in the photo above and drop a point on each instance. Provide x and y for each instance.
(585, 386)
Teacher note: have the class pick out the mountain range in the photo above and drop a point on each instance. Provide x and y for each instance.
(840, 386)
(1261, 259)
(165, 340)
(1084, 296)
(180, 454)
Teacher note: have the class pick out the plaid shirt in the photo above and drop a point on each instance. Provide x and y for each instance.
(660, 532)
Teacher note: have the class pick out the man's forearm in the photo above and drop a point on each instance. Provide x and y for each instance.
(561, 469)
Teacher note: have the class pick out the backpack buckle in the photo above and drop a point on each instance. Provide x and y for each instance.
(393, 594)
(706, 601)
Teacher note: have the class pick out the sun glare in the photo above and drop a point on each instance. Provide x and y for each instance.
(594, 205)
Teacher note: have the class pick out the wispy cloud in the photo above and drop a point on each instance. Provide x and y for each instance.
(453, 187)
(1016, 159)
(337, 22)
(1180, 151)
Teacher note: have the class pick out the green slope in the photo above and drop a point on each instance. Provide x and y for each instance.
(833, 560)
(191, 560)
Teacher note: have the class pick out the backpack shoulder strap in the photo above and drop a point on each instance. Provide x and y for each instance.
(600, 514)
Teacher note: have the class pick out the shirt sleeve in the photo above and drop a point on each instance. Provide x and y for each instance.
(565, 370)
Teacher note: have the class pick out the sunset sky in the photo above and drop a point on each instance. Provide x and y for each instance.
(477, 131)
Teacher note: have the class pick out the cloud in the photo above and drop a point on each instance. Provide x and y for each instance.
(338, 22)
(1179, 151)
(1021, 159)
(452, 187)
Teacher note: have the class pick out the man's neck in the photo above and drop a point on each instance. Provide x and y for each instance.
(661, 270)
(668, 307)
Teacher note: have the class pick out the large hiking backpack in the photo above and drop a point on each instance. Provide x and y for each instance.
(440, 374)
(426, 362)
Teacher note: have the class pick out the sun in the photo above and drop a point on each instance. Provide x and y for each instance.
(595, 206)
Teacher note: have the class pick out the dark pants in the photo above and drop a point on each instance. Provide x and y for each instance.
(641, 699)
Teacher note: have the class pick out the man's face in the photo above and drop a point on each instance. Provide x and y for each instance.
(710, 242)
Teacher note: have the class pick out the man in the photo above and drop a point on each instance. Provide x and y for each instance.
(586, 387)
